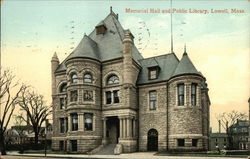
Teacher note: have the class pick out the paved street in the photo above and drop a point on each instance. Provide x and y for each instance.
(138, 155)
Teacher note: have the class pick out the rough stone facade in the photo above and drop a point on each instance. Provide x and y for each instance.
(96, 112)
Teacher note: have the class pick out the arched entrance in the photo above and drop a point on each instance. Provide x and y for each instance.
(152, 140)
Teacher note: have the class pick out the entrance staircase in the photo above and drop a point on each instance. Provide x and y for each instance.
(107, 150)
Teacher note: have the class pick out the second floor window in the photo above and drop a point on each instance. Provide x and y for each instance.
(88, 121)
(108, 97)
(63, 88)
(87, 78)
(62, 125)
(74, 122)
(116, 95)
(62, 103)
(73, 96)
(152, 100)
(193, 93)
(180, 91)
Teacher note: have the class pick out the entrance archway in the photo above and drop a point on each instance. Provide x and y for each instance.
(152, 140)
(113, 129)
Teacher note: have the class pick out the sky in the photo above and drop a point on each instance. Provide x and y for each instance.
(217, 43)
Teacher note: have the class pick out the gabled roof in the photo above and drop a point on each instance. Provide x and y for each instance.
(167, 64)
(103, 47)
(185, 66)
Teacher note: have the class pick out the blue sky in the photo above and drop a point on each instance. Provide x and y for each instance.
(218, 44)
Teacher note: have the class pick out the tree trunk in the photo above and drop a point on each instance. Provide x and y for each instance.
(2, 144)
(36, 138)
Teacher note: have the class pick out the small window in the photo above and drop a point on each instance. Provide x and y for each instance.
(61, 145)
(193, 93)
(73, 96)
(194, 142)
(73, 145)
(62, 103)
(152, 100)
(113, 79)
(88, 121)
(74, 78)
(153, 74)
(63, 88)
(87, 78)
(74, 122)
(116, 95)
(216, 140)
(181, 142)
(108, 97)
(180, 90)
(88, 95)
(62, 125)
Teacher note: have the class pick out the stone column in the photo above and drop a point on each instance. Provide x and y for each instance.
(124, 128)
(80, 122)
(104, 135)
(121, 127)
(69, 123)
(134, 128)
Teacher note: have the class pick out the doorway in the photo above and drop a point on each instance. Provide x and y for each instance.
(113, 129)
(152, 140)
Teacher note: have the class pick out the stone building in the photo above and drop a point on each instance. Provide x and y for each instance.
(105, 92)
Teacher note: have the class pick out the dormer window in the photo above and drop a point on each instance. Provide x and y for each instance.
(100, 29)
(153, 73)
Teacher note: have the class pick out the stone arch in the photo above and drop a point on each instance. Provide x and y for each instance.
(60, 85)
(152, 142)
(110, 74)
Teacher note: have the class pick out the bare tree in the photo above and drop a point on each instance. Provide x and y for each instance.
(8, 99)
(228, 119)
(37, 112)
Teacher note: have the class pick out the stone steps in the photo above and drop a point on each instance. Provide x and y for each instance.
(107, 150)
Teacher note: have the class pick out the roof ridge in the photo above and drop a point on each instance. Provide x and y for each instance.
(155, 56)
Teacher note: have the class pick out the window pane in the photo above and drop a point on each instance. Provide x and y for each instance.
(113, 79)
(74, 78)
(73, 96)
(194, 142)
(87, 78)
(62, 103)
(193, 93)
(63, 88)
(74, 122)
(152, 100)
(108, 97)
(181, 142)
(116, 96)
(88, 121)
(153, 74)
(180, 88)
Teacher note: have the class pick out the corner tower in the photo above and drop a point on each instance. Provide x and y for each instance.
(188, 108)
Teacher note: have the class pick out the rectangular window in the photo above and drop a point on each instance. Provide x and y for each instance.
(152, 100)
(62, 103)
(61, 145)
(116, 95)
(181, 142)
(73, 96)
(108, 97)
(88, 95)
(74, 123)
(62, 125)
(194, 142)
(193, 93)
(180, 94)
(73, 145)
(66, 123)
(88, 121)
(152, 74)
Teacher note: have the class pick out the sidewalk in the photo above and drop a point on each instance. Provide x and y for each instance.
(136, 155)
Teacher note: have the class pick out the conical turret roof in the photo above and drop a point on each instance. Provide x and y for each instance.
(87, 48)
(185, 66)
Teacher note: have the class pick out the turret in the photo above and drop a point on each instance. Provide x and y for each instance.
(54, 65)
(128, 42)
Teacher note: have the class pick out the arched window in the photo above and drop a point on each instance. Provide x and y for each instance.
(113, 79)
(63, 87)
(74, 78)
(87, 78)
